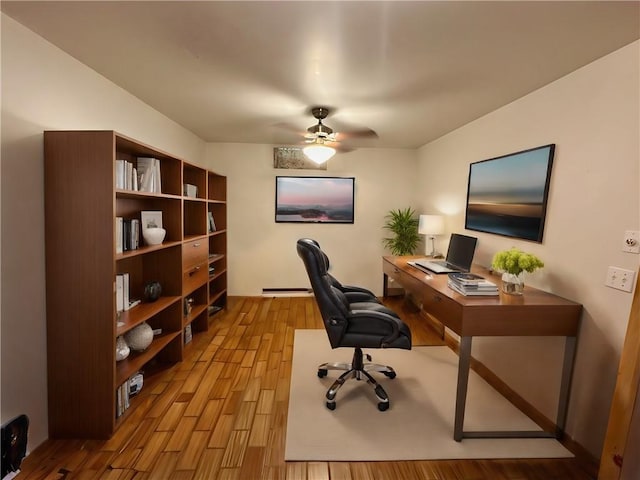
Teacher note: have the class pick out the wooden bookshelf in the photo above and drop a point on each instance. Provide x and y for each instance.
(81, 205)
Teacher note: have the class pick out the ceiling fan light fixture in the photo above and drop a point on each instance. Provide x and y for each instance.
(319, 153)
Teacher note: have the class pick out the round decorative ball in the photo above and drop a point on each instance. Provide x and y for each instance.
(140, 337)
(122, 349)
(152, 291)
(153, 235)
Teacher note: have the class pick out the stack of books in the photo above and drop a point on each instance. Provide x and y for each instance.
(470, 284)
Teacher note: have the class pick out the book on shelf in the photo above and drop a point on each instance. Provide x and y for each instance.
(127, 234)
(119, 234)
(126, 177)
(120, 175)
(125, 291)
(128, 389)
(134, 234)
(119, 293)
(148, 172)
(123, 300)
(212, 223)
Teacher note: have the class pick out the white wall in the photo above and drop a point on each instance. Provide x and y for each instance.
(593, 117)
(262, 253)
(46, 89)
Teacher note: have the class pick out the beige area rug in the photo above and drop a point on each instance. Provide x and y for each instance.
(419, 422)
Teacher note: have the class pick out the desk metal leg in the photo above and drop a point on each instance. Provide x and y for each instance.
(464, 361)
(565, 385)
(385, 285)
(461, 397)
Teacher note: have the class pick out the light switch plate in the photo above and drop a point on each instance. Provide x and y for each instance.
(620, 278)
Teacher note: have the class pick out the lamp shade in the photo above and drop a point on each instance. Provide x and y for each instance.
(319, 153)
(431, 225)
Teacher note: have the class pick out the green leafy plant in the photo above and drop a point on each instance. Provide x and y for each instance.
(516, 261)
(403, 224)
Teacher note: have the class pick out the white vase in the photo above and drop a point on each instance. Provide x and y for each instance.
(140, 337)
(153, 236)
(513, 284)
(122, 349)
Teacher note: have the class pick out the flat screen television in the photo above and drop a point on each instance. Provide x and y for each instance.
(315, 199)
(507, 195)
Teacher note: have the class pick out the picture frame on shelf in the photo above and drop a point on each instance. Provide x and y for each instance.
(151, 218)
(212, 223)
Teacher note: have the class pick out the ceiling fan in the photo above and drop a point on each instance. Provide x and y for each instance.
(323, 142)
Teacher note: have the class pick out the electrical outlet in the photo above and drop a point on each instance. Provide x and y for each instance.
(631, 241)
(620, 278)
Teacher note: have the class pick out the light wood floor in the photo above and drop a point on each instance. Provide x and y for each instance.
(221, 415)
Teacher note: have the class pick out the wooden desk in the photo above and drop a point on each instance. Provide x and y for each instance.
(536, 313)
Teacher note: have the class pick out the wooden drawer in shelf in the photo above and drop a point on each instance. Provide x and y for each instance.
(194, 277)
(194, 252)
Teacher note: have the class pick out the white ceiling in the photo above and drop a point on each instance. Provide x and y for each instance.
(412, 71)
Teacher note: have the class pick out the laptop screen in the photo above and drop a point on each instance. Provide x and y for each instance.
(461, 250)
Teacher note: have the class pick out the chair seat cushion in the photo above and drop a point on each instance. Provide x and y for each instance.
(368, 332)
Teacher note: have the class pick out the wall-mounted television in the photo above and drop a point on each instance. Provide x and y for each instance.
(507, 195)
(315, 199)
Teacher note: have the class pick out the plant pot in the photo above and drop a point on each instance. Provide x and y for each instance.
(512, 284)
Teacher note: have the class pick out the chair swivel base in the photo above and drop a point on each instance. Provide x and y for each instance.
(357, 369)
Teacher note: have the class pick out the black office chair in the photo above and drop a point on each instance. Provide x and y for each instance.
(353, 293)
(352, 324)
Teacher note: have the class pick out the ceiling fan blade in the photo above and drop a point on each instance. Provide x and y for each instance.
(364, 133)
(290, 127)
(339, 147)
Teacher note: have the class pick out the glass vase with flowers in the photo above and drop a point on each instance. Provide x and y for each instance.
(513, 263)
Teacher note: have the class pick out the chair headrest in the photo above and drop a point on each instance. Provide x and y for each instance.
(309, 251)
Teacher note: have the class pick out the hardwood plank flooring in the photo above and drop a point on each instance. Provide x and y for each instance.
(221, 415)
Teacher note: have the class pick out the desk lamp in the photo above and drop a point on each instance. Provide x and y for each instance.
(431, 225)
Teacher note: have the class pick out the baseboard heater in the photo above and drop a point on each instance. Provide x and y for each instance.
(287, 292)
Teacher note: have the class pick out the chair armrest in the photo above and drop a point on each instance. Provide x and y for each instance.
(351, 288)
(391, 320)
(360, 296)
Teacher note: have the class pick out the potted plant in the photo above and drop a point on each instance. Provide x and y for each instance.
(513, 263)
(403, 224)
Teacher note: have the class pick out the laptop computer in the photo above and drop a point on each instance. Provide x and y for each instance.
(459, 256)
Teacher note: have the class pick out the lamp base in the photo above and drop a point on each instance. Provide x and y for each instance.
(434, 253)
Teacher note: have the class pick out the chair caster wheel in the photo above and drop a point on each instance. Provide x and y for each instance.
(322, 372)
(391, 375)
(382, 406)
(332, 405)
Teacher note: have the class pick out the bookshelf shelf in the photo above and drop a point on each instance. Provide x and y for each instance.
(137, 360)
(142, 313)
(83, 322)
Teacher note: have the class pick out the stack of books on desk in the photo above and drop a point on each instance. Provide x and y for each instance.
(470, 284)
